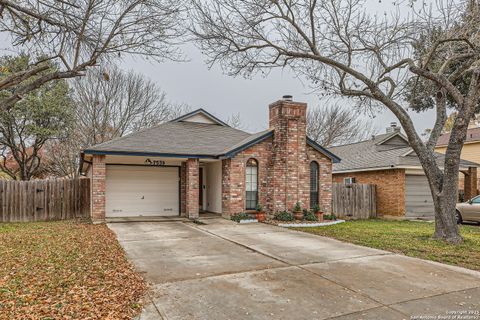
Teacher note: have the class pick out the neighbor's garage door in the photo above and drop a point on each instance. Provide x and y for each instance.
(142, 191)
(418, 199)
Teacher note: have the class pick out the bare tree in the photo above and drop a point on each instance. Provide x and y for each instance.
(79, 34)
(235, 121)
(109, 103)
(344, 49)
(334, 125)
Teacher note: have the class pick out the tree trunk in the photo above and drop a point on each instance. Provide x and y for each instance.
(445, 222)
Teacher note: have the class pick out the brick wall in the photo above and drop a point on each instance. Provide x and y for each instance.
(470, 183)
(325, 179)
(283, 166)
(233, 178)
(192, 188)
(288, 119)
(183, 189)
(390, 189)
(98, 188)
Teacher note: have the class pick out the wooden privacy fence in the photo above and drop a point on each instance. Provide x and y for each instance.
(355, 201)
(43, 200)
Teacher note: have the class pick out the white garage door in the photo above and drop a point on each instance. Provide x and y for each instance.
(418, 199)
(141, 191)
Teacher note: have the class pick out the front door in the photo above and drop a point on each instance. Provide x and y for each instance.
(200, 186)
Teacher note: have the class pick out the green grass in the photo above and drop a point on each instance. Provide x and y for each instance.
(407, 237)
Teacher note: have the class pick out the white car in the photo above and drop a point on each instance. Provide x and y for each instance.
(469, 211)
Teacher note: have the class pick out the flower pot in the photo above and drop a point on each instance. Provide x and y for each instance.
(261, 216)
(298, 215)
(319, 215)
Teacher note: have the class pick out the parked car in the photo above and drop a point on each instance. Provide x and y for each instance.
(469, 211)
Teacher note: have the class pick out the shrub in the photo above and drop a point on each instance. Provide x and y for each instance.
(330, 217)
(259, 208)
(309, 216)
(241, 216)
(316, 208)
(297, 207)
(284, 216)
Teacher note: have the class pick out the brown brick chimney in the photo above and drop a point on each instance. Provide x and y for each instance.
(289, 121)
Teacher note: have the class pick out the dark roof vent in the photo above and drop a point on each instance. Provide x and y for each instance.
(287, 97)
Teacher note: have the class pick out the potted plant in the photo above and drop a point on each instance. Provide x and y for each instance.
(297, 211)
(318, 212)
(260, 214)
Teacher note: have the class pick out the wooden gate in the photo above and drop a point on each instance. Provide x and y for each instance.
(354, 201)
(43, 200)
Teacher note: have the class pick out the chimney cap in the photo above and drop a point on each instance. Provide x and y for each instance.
(287, 97)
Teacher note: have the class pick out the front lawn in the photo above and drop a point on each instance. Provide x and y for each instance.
(65, 270)
(409, 238)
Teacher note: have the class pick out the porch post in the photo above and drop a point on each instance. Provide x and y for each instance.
(98, 188)
(470, 183)
(191, 188)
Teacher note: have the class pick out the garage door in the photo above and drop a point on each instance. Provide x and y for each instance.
(142, 191)
(418, 199)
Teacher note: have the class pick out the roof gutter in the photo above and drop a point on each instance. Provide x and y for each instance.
(389, 168)
(148, 154)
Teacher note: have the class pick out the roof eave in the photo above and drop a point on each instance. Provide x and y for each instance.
(149, 154)
(394, 134)
(322, 150)
(200, 110)
(247, 145)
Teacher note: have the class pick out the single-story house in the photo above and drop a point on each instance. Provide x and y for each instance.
(388, 161)
(197, 163)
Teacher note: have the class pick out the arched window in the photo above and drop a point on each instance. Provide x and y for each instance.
(313, 184)
(251, 184)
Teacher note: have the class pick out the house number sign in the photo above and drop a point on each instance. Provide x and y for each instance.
(155, 163)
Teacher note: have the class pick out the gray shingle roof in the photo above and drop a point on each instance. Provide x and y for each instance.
(370, 154)
(182, 138)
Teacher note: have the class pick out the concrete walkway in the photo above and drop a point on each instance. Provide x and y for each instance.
(224, 270)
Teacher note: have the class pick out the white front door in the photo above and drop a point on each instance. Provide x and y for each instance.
(133, 191)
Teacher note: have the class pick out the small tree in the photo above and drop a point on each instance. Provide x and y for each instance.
(43, 114)
(343, 49)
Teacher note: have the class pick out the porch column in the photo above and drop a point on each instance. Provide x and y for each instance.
(191, 188)
(470, 183)
(98, 188)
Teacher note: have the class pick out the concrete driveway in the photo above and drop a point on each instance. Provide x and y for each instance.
(224, 270)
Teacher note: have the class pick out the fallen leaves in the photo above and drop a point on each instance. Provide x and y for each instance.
(66, 270)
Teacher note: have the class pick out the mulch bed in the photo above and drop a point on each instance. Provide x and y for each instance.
(66, 270)
(277, 222)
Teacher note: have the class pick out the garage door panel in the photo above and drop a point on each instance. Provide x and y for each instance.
(142, 191)
(418, 198)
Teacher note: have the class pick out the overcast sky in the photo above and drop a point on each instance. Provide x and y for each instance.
(193, 83)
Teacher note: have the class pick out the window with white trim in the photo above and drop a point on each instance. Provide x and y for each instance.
(349, 180)
(251, 184)
(313, 184)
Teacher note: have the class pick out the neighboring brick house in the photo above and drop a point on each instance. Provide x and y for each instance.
(197, 163)
(388, 161)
